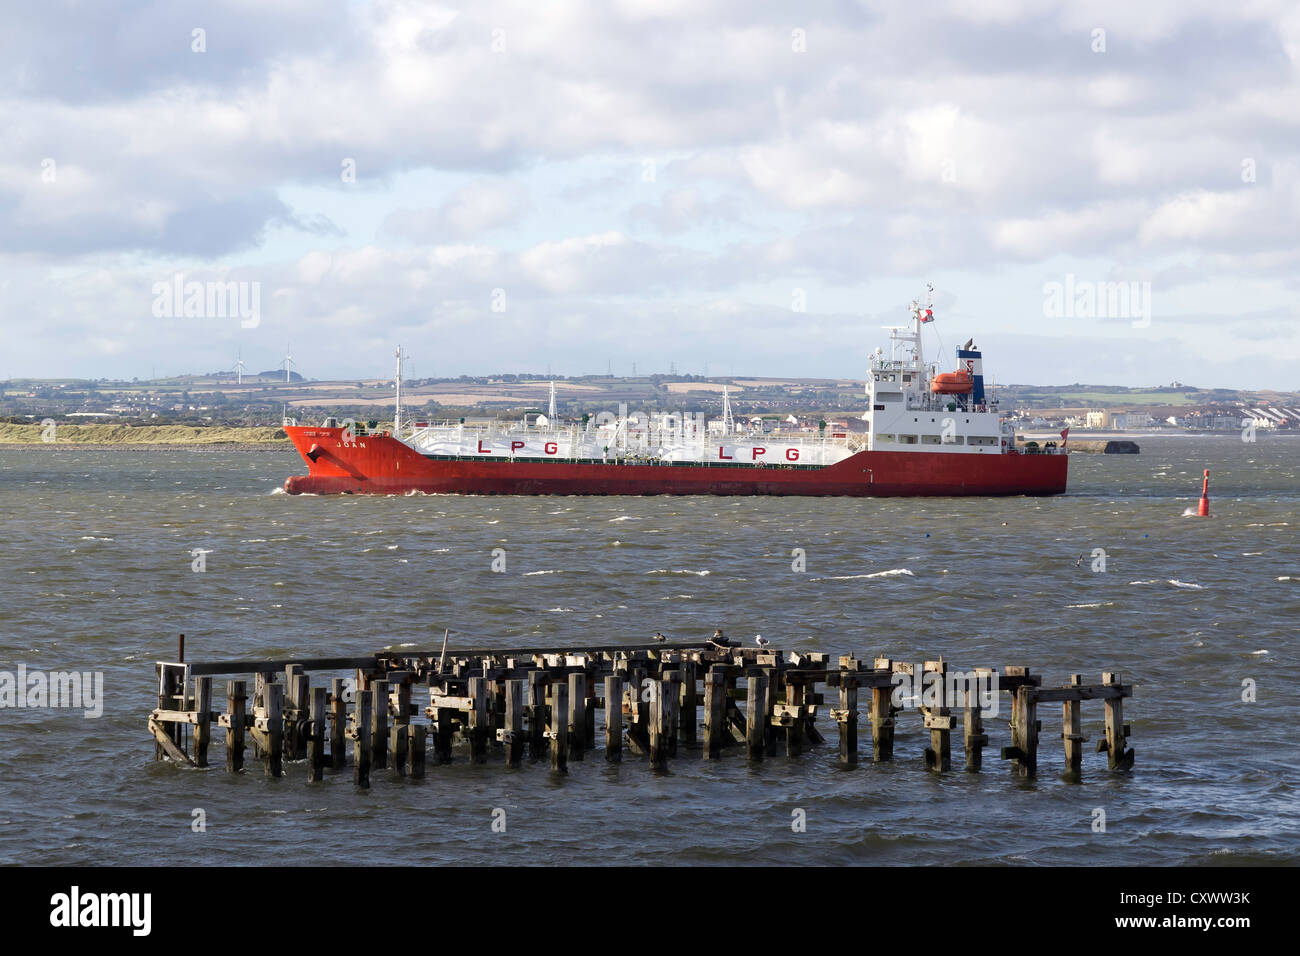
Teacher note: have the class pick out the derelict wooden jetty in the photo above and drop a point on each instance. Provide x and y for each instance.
(657, 701)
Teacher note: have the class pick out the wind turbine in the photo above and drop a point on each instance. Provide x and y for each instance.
(288, 361)
(239, 368)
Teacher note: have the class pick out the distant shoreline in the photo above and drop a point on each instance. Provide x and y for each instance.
(278, 445)
(1137, 436)
(141, 436)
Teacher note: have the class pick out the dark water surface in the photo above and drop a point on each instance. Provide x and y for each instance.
(96, 575)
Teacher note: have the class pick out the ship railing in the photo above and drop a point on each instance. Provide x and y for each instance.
(631, 440)
(1033, 448)
(934, 406)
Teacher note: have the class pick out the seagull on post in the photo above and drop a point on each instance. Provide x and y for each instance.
(761, 641)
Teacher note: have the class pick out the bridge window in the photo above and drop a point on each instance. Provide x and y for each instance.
(907, 439)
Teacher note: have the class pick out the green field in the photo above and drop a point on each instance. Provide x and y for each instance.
(1118, 397)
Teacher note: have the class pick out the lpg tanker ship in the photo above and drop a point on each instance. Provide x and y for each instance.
(927, 433)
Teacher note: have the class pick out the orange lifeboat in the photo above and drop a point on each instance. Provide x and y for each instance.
(952, 383)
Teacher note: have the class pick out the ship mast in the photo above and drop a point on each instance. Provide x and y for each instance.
(397, 405)
(550, 410)
(728, 425)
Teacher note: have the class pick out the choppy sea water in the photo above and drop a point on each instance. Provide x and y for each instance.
(96, 572)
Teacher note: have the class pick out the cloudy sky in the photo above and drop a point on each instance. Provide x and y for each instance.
(749, 187)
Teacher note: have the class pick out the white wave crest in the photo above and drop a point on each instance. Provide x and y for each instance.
(891, 573)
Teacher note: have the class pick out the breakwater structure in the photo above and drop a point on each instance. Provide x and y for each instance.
(1089, 446)
(658, 701)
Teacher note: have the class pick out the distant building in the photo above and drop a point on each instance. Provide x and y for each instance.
(1098, 419)
(1130, 420)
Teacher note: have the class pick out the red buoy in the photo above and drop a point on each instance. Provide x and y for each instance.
(1204, 509)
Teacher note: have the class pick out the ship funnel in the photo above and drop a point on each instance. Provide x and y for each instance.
(971, 360)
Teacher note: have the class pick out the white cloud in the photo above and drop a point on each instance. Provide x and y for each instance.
(892, 150)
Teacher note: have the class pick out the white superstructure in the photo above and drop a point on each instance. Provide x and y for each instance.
(914, 407)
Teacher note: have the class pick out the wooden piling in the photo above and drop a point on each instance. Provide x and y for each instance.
(559, 732)
(202, 719)
(938, 720)
(399, 737)
(259, 710)
(1072, 732)
(446, 718)
(316, 740)
(513, 731)
(236, 699)
(296, 697)
(338, 724)
(686, 715)
(847, 717)
(791, 713)
(170, 687)
(379, 725)
(770, 728)
(733, 718)
(757, 722)
(1120, 757)
(478, 720)
(882, 713)
(496, 713)
(973, 736)
(658, 727)
(364, 714)
(536, 714)
(274, 729)
(419, 733)
(638, 733)
(577, 715)
(613, 718)
(589, 710)
(672, 693)
(714, 712)
(1024, 732)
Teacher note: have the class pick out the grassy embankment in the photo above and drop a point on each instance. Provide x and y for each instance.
(140, 435)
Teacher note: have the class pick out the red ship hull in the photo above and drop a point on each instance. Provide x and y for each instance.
(379, 464)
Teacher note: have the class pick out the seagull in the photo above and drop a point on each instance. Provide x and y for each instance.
(717, 640)
(659, 638)
(761, 641)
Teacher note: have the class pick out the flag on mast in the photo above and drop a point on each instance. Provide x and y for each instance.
(1065, 435)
